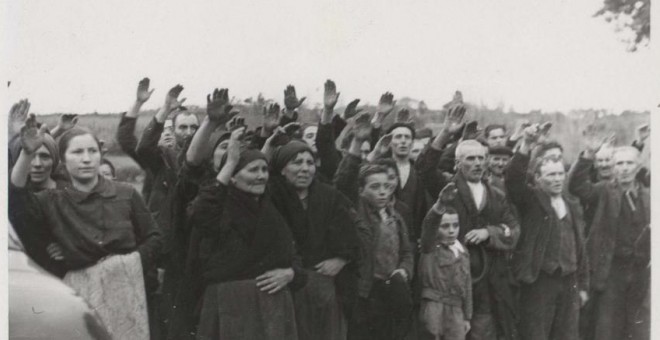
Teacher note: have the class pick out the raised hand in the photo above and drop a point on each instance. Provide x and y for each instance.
(32, 136)
(471, 130)
(234, 145)
(454, 119)
(292, 128)
(330, 95)
(362, 127)
(235, 123)
(458, 98)
(67, 121)
(19, 111)
(17, 116)
(383, 144)
(291, 101)
(172, 101)
(386, 103)
(352, 110)
(521, 124)
(643, 132)
(530, 134)
(594, 139)
(271, 117)
(448, 194)
(143, 92)
(385, 107)
(218, 108)
(403, 116)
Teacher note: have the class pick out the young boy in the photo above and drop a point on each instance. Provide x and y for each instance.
(444, 271)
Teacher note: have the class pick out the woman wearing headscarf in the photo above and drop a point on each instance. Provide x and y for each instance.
(38, 245)
(243, 253)
(323, 225)
(103, 232)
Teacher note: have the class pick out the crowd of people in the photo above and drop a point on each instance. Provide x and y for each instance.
(347, 229)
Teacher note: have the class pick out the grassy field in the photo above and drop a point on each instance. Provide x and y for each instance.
(567, 127)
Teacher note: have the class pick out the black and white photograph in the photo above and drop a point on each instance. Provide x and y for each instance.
(328, 170)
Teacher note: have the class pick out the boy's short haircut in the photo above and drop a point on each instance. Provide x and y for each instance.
(388, 163)
(368, 170)
(545, 160)
(548, 146)
(492, 127)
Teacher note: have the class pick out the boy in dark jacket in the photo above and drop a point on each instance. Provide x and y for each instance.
(444, 271)
(384, 304)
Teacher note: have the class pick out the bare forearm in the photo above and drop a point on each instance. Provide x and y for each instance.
(21, 169)
(199, 146)
(354, 149)
(441, 140)
(134, 109)
(162, 114)
(225, 174)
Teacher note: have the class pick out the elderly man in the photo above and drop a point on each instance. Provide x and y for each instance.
(550, 262)
(488, 228)
(618, 245)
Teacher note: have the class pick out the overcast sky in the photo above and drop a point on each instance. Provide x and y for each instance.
(85, 56)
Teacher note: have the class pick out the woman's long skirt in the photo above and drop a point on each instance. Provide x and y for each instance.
(114, 288)
(239, 310)
(318, 312)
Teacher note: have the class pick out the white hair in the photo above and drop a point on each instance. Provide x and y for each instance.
(464, 145)
(626, 149)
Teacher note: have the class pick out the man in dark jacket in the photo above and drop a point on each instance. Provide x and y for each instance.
(618, 245)
(550, 262)
(490, 230)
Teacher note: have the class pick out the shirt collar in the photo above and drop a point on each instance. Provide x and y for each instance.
(104, 188)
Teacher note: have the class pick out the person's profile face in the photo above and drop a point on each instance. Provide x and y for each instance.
(309, 136)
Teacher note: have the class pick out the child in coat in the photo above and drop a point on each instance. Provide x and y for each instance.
(444, 271)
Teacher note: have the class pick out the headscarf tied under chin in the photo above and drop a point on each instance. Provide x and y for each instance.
(247, 157)
(285, 153)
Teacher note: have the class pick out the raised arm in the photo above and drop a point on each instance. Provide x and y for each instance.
(147, 150)
(432, 220)
(65, 123)
(579, 179)
(126, 129)
(218, 113)
(346, 177)
(516, 172)
(429, 158)
(325, 137)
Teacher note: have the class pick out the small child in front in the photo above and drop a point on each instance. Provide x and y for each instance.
(444, 271)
